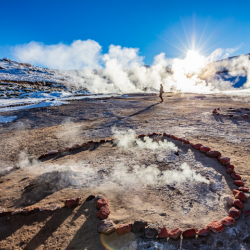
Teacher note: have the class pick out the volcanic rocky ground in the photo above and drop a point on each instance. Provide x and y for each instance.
(138, 182)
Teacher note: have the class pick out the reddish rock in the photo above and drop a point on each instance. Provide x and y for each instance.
(230, 115)
(101, 202)
(123, 229)
(235, 191)
(197, 146)
(84, 144)
(102, 141)
(238, 183)
(230, 166)
(204, 232)
(214, 111)
(230, 171)
(167, 135)
(213, 154)
(227, 221)
(247, 212)
(244, 189)
(163, 233)
(106, 226)
(237, 203)
(245, 116)
(103, 213)
(185, 141)
(241, 196)
(216, 226)
(180, 139)
(71, 203)
(218, 108)
(230, 108)
(67, 148)
(204, 149)
(234, 212)
(191, 232)
(139, 226)
(217, 114)
(140, 136)
(173, 137)
(235, 176)
(224, 160)
(174, 233)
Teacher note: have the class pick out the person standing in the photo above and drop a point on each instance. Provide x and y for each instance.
(161, 92)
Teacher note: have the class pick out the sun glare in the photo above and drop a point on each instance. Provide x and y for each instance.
(193, 62)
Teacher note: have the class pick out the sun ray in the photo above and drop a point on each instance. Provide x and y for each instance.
(203, 33)
(185, 33)
(172, 44)
(179, 40)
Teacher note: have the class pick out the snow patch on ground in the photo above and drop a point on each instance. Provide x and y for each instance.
(4, 119)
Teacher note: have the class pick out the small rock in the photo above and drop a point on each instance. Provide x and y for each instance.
(238, 203)
(151, 232)
(204, 232)
(139, 226)
(235, 176)
(213, 154)
(244, 189)
(245, 116)
(224, 160)
(191, 232)
(163, 233)
(238, 183)
(230, 166)
(216, 226)
(173, 137)
(174, 233)
(140, 136)
(30, 210)
(241, 196)
(52, 152)
(91, 197)
(124, 228)
(227, 221)
(236, 191)
(234, 212)
(204, 149)
(103, 213)
(106, 226)
(230, 115)
(101, 202)
(230, 171)
(196, 146)
(186, 141)
(71, 203)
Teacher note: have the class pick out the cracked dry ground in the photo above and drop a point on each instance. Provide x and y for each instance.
(38, 131)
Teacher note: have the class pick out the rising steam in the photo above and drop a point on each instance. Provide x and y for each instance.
(122, 70)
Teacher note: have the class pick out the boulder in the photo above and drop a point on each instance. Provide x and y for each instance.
(244, 189)
(151, 232)
(216, 226)
(191, 232)
(238, 183)
(224, 160)
(230, 166)
(204, 149)
(230, 171)
(235, 176)
(124, 228)
(101, 202)
(237, 203)
(213, 154)
(103, 213)
(234, 212)
(227, 221)
(241, 196)
(245, 116)
(90, 197)
(204, 231)
(106, 226)
(71, 203)
(139, 226)
(196, 146)
(174, 233)
(163, 233)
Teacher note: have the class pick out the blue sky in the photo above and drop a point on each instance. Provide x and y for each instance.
(151, 26)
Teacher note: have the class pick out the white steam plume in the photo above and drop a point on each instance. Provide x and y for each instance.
(121, 70)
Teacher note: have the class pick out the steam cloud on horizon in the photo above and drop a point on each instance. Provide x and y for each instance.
(122, 70)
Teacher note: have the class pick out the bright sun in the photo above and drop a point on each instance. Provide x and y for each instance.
(193, 62)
